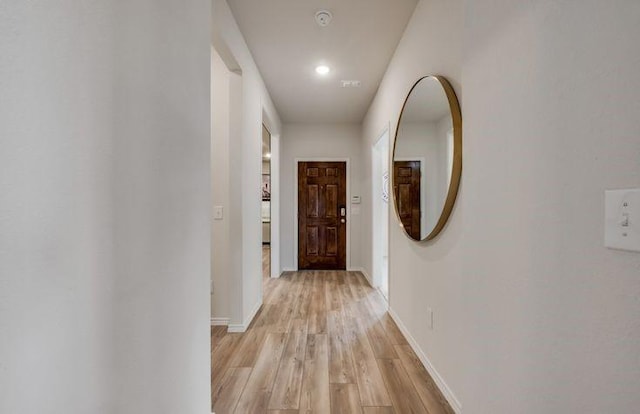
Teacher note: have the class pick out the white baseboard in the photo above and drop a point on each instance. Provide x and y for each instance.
(219, 321)
(364, 273)
(242, 327)
(289, 269)
(277, 276)
(437, 378)
(384, 298)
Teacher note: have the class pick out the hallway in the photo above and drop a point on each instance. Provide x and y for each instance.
(322, 342)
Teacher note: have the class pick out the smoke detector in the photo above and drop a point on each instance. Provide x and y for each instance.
(323, 18)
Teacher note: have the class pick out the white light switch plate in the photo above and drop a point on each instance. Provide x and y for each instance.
(217, 212)
(622, 219)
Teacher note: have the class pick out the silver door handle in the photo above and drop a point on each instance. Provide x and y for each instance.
(343, 221)
(343, 212)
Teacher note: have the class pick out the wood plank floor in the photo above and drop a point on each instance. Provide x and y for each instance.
(321, 343)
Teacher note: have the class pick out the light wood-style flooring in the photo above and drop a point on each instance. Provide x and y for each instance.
(266, 261)
(321, 343)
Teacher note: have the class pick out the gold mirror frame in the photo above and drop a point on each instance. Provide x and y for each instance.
(456, 168)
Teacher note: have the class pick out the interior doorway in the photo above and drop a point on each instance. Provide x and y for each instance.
(266, 202)
(380, 216)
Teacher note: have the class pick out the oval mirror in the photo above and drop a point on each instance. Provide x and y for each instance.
(427, 158)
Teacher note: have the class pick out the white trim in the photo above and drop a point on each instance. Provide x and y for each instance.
(386, 131)
(288, 269)
(370, 281)
(274, 227)
(384, 298)
(364, 273)
(437, 378)
(346, 160)
(219, 321)
(377, 288)
(242, 327)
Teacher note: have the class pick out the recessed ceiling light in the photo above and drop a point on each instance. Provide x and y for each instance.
(322, 70)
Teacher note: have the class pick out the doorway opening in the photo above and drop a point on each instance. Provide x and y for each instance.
(380, 216)
(266, 202)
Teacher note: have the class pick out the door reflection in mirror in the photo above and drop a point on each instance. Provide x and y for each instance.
(426, 159)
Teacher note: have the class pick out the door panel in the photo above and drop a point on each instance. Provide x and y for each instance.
(322, 228)
(331, 205)
(313, 241)
(332, 241)
(313, 201)
(407, 192)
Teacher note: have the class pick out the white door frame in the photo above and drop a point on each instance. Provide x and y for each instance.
(376, 261)
(275, 206)
(295, 204)
(274, 244)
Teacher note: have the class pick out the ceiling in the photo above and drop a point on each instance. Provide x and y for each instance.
(287, 44)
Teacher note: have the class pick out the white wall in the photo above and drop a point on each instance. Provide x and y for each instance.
(245, 166)
(532, 313)
(319, 141)
(56, 242)
(162, 206)
(221, 235)
(104, 183)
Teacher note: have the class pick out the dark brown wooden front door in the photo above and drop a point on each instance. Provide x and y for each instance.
(322, 215)
(406, 186)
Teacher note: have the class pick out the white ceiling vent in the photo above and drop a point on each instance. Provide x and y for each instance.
(351, 83)
(323, 18)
